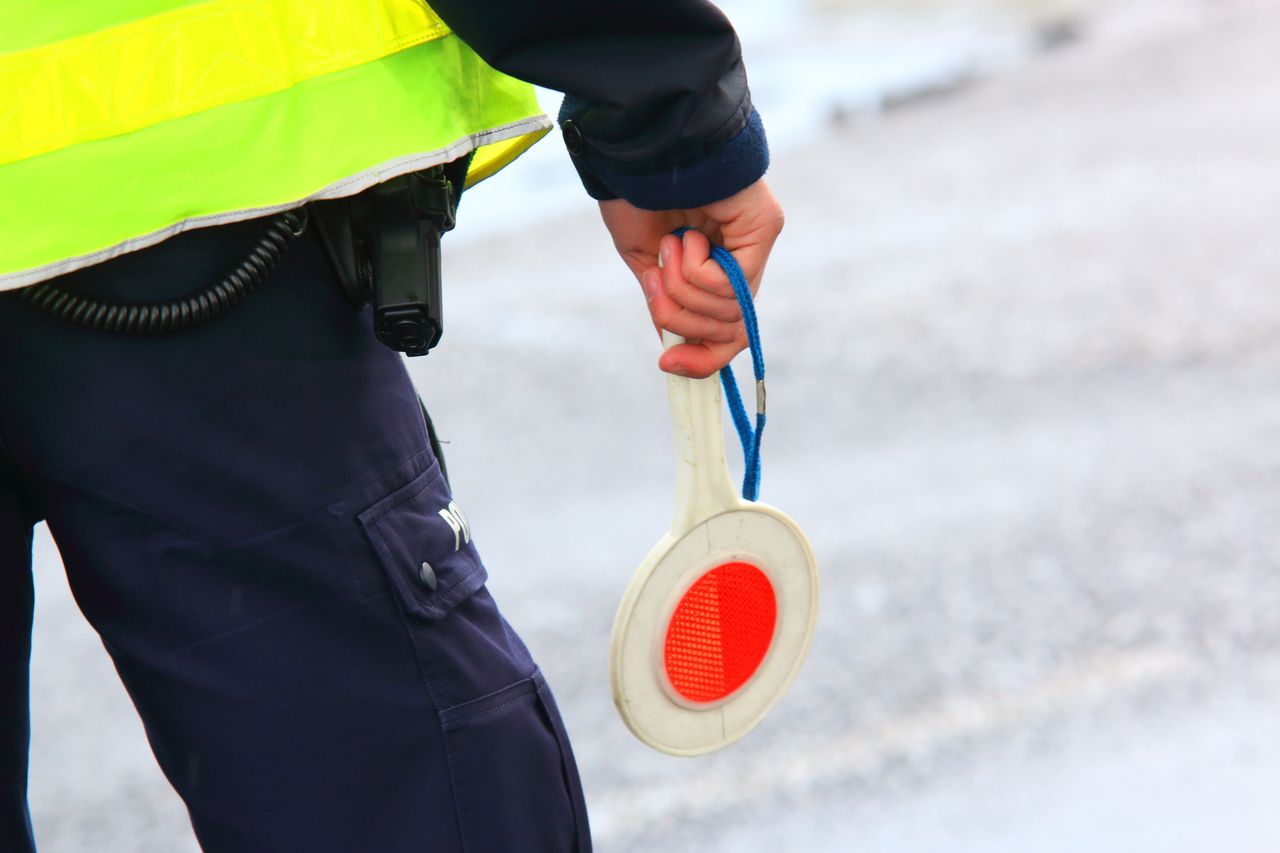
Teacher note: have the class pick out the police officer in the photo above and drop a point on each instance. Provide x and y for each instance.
(249, 509)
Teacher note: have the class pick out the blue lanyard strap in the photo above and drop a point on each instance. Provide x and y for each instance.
(749, 436)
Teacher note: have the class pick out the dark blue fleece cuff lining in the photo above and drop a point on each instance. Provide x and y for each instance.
(734, 166)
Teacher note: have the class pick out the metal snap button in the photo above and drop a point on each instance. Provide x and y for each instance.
(428, 575)
(573, 137)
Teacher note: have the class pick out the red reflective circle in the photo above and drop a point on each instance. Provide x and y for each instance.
(720, 632)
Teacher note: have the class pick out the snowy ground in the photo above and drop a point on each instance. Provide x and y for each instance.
(1024, 395)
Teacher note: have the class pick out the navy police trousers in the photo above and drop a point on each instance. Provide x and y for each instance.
(244, 510)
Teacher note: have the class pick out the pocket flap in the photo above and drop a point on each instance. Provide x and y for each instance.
(420, 524)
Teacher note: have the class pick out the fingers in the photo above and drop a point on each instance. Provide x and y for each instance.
(690, 295)
(698, 266)
(687, 292)
(674, 317)
(678, 306)
(699, 359)
(704, 291)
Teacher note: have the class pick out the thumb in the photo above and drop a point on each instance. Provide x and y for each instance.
(749, 224)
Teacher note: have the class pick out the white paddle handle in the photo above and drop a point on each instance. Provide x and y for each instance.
(703, 487)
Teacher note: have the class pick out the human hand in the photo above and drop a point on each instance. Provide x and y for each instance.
(687, 292)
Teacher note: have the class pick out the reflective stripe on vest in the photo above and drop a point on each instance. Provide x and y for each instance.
(166, 115)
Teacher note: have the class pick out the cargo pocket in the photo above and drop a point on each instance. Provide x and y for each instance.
(514, 777)
(424, 545)
(515, 782)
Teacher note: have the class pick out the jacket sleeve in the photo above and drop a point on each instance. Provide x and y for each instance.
(656, 109)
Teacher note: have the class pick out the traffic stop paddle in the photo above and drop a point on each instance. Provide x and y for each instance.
(716, 622)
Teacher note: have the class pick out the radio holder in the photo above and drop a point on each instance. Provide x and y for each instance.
(384, 244)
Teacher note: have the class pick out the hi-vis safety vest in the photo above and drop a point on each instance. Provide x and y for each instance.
(123, 122)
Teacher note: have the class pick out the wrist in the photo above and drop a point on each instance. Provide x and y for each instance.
(730, 167)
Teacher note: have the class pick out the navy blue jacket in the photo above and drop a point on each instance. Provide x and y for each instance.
(657, 108)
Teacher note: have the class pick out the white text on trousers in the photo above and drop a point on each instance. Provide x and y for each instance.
(453, 517)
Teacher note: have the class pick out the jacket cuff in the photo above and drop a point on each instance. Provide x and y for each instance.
(732, 166)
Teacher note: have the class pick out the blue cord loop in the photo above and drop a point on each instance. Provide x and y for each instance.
(749, 436)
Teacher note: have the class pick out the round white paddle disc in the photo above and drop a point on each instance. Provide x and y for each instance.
(717, 620)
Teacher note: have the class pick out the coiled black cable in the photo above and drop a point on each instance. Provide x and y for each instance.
(175, 314)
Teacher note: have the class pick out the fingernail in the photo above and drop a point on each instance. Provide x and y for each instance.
(664, 250)
(649, 283)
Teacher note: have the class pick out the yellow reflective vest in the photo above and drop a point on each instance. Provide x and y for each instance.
(125, 122)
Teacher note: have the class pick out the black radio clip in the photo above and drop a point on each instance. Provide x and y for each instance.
(385, 245)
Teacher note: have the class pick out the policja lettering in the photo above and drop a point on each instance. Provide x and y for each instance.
(453, 516)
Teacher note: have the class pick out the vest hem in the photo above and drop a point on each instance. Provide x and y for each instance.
(535, 126)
